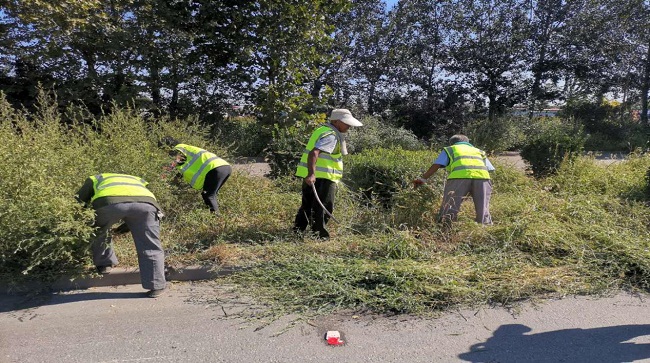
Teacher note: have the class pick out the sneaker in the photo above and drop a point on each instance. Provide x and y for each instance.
(104, 270)
(155, 293)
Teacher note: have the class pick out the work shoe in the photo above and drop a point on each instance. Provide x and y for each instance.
(155, 293)
(104, 270)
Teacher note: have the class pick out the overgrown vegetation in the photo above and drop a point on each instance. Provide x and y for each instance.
(551, 143)
(584, 229)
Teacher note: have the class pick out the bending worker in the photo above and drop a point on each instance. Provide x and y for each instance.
(321, 166)
(124, 197)
(200, 168)
(468, 174)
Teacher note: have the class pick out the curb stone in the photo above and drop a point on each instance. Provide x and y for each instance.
(123, 276)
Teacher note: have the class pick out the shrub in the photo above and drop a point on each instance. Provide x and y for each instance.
(554, 143)
(380, 173)
(244, 136)
(625, 137)
(285, 149)
(44, 232)
(376, 134)
(609, 123)
(504, 133)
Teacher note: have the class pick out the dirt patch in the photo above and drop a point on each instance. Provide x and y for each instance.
(252, 166)
(510, 158)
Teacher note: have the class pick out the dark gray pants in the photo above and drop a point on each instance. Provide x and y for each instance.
(457, 189)
(142, 219)
(310, 212)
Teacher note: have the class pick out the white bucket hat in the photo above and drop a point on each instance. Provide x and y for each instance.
(345, 116)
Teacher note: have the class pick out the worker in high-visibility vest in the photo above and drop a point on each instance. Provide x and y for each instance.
(201, 169)
(121, 197)
(468, 173)
(321, 165)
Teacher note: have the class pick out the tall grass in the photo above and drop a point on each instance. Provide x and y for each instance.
(583, 230)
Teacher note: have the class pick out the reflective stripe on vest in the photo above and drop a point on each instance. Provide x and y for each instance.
(466, 162)
(328, 166)
(199, 162)
(119, 185)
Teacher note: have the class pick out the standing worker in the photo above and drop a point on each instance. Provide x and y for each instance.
(468, 174)
(321, 167)
(200, 168)
(124, 197)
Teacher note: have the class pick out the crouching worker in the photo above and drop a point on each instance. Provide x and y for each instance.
(116, 197)
(468, 174)
(200, 168)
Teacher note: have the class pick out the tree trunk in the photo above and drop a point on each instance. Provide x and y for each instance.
(371, 98)
(315, 88)
(173, 104)
(644, 89)
(492, 107)
(537, 82)
(154, 86)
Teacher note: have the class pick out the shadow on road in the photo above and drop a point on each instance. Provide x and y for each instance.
(9, 303)
(510, 344)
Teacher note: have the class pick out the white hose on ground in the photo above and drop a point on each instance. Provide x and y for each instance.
(313, 187)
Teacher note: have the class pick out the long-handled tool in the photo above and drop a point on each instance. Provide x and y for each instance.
(313, 187)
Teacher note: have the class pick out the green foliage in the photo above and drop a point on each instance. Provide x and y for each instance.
(503, 133)
(285, 149)
(244, 136)
(647, 182)
(627, 137)
(585, 177)
(44, 231)
(380, 173)
(584, 229)
(551, 145)
(609, 125)
(288, 142)
(375, 134)
(551, 236)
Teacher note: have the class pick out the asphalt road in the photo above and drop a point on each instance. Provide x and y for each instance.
(207, 322)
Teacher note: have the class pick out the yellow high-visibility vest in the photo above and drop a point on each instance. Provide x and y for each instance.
(199, 162)
(466, 162)
(328, 166)
(119, 185)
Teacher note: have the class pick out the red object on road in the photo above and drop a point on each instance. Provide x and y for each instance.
(333, 337)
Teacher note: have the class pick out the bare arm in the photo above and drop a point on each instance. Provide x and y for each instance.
(311, 166)
(432, 170)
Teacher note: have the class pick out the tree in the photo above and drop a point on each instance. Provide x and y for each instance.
(61, 42)
(548, 20)
(489, 43)
(375, 54)
(285, 43)
(429, 96)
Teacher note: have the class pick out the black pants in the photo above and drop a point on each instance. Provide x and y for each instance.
(310, 211)
(214, 180)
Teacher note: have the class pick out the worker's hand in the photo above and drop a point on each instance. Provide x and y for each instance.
(310, 179)
(419, 181)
